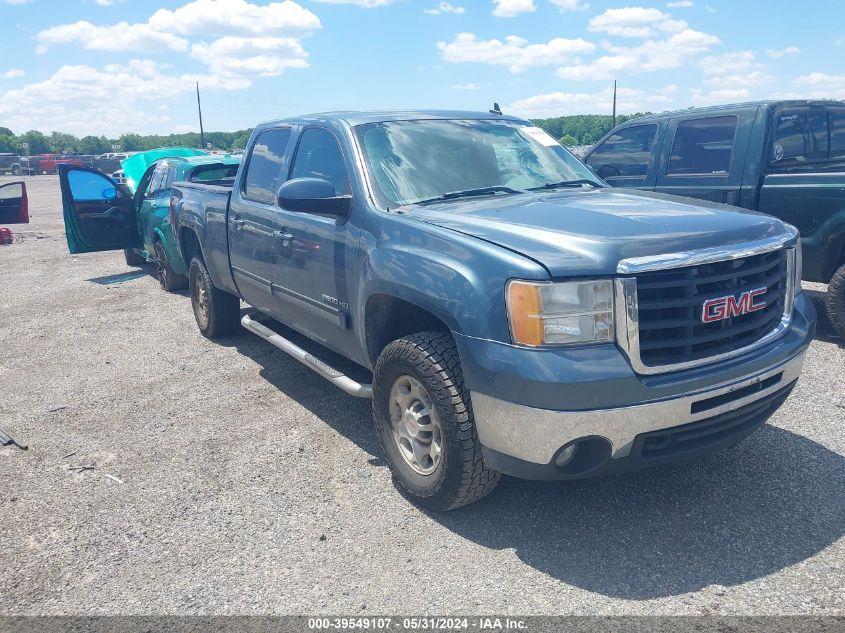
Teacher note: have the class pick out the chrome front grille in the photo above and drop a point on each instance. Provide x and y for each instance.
(660, 309)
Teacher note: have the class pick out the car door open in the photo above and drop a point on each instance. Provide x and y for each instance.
(99, 215)
(14, 207)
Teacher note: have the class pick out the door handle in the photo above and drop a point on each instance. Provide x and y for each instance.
(285, 236)
(237, 223)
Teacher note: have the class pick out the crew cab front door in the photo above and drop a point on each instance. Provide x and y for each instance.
(319, 252)
(99, 215)
(14, 206)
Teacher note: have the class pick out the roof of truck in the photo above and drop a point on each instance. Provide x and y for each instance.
(379, 116)
(730, 107)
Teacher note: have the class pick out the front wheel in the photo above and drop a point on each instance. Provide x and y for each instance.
(216, 312)
(169, 280)
(424, 423)
(16, 170)
(835, 301)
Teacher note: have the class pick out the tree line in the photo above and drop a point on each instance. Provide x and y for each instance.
(582, 129)
(579, 129)
(63, 143)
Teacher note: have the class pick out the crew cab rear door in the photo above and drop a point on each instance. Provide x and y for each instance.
(99, 215)
(14, 206)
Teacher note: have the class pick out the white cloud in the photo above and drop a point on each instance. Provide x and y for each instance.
(515, 53)
(13, 2)
(635, 22)
(81, 99)
(117, 37)
(445, 7)
(820, 79)
(263, 56)
(366, 4)
(469, 86)
(715, 97)
(815, 85)
(680, 4)
(777, 54)
(753, 79)
(168, 28)
(570, 5)
(512, 8)
(728, 63)
(106, 3)
(12, 73)
(562, 103)
(650, 56)
(236, 17)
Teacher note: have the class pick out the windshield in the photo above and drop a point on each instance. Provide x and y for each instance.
(415, 161)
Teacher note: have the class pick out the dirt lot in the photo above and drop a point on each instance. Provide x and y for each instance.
(249, 485)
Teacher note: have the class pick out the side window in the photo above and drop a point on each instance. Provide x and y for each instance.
(265, 164)
(154, 186)
(703, 146)
(319, 156)
(801, 136)
(837, 132)
(169, 179)
(626, 153)
(86, 185)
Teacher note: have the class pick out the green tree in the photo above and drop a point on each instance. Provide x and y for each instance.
(568, 140)
(8, 143)
(62, 143)
(131, 143)
(4, 131)
(36, 140)
(94, 145)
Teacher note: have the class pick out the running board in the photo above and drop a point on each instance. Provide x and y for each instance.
(331, 374)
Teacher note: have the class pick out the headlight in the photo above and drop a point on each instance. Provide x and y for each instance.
(798, 268)
(543, 313)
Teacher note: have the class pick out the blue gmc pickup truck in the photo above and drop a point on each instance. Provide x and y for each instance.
(518, 315)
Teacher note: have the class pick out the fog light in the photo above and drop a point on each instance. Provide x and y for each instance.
(566, 455)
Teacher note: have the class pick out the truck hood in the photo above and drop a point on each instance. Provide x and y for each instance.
(587, 232)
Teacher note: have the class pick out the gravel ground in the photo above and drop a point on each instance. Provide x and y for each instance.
(251, 486)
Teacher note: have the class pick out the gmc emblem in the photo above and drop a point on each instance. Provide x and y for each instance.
(730, 306)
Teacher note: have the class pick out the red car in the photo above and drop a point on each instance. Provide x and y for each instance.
(49, 163)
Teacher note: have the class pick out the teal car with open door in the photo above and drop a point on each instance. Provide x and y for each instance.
(102, 215)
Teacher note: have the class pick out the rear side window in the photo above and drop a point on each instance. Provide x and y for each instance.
(801, 136)
(265, 164)
(213, 172)
(319, 156)
(156, 180)
(626, 153)
(703, 146)
(837, 132)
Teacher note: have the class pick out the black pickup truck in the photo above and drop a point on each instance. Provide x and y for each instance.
(784, 158)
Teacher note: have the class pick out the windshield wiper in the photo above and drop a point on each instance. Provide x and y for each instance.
(468, 193)
(568, 183)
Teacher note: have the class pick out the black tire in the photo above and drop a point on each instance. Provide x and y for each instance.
(133, 257)
(835, 301)
(16, 170)
(461, 476)
(169, 280)
(217, 313)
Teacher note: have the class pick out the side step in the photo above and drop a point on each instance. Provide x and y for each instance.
(331, 374)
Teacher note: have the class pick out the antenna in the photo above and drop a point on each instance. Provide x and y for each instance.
(614, 105)
(199, 108)
(496, 109)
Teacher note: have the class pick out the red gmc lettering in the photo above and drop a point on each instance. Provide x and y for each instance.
(729, 306)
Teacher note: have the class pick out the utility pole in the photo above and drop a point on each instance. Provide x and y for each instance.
(199, 108)
(614, 107)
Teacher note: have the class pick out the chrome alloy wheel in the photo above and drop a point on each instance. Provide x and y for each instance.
(416, 428)
(201, 302)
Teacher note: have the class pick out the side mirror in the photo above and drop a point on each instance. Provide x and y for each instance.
(313, 195)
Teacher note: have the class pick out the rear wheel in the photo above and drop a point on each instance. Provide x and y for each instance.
(835, 301)
(133, 257)
(16, 170)
(217, 313)
(424, 423)
(169, 280)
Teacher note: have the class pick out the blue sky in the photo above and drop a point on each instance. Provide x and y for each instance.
(113, 66)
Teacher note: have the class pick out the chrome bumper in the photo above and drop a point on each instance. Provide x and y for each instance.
(535, 435)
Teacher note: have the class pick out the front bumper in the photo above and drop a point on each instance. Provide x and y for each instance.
(549, 399)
